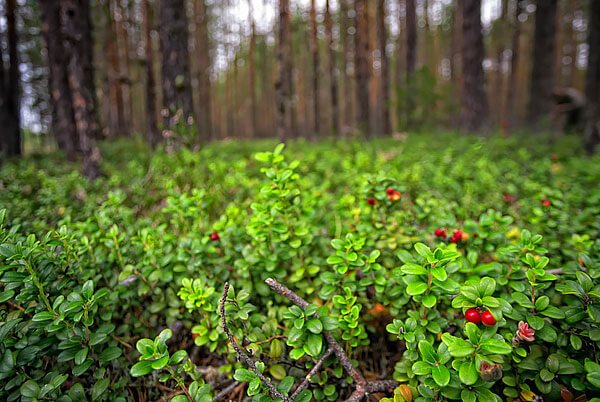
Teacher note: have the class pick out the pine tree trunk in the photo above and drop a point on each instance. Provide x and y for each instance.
(333, 88)
(252, 74)
(361, 54)
(203, 55)
(283, 86)
(475, 109)
(514, 66)
(118, 125)
(176, 84)
(63, 119)
(385, 74)
(73, 25)
(314, 50)
(123, 77)
(10, 115)
(542, 73)
(592, 86)
(347, 48)
(411, 58)
(152, 135)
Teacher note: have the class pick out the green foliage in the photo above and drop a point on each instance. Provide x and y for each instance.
(90, 270)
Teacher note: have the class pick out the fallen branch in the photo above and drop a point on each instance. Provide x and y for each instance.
(226, 391)
(311, 373)
(242, 354)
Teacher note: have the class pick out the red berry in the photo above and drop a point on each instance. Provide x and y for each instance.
(546, 202)
(440, 233)
(472, 315)
(390, 191)
(487, 318)
(214, 236)
(371, 201)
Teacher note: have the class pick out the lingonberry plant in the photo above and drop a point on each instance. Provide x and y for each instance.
(303, 275)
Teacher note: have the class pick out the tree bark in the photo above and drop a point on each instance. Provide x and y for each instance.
(10, 114)
(73, 26)
(152, 135)
(63, 118)
(361, 55)
(176, 84)
(475, 109)
(252, 73)
(592, 86)
(333, 72)
(385, 74)
(314, 50)
(117, 123)
(514, 66)
(411, 57)
(204, 65)
(283, 85)
(347, 65)
(542, 73)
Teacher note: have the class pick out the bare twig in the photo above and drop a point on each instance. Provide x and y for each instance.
(226, 391)
(311, 373)
(242, 354)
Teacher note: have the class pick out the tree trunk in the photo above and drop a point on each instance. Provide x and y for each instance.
(333, 87)
(361, 55)
(176, 85)
(514, 66)
(283, 86)
(314, 50)
(592, 86)
(385, 74)
(117, 123)
(475, 110)
(73, 24)
(411, 57)
(252, 73)
(123, 76)
(345, 25)
(152, 135)
(63, 119)
(203, 54)
(10, 114)
(542, 73)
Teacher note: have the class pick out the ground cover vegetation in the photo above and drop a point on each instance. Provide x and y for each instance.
(444, 267)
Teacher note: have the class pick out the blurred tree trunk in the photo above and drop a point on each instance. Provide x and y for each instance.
(123, 76)
(542, 73)
(592, 86)
(314, 50)
(87, 51)
(204, 65)
(475, 109)
(152, 135)
(283, 86)
(63, 119)
(176, 85)
(514, 66)
(73, 26)
(333, 72)
(411, 57)
(361, 55)
(455, 52)
(117, 124)
(252, 73)
(385, 74)
(346, 23)
(10, 114)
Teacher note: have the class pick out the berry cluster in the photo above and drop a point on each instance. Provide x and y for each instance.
(475, 316)
(457, 236)
(393, 195)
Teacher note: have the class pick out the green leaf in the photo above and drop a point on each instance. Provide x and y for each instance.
(81, 356)
(296, 354)
(593, 373)
(421, 368)
(304, 396)
(423, 250)
(439, 273)
(315, 326)
(427, 352)
(522, 300)
(441, 375)
(99, 388)
(486, 286)
(429, 301)
(468, 373)
(416, 288)
(413, 269)
(42, 316)
(141, 368)
(277, 371)
(496, 346)
(110, 354)
(30, 389)
(314, 345)
(244, 375)
(461, 348)
(335, 259)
